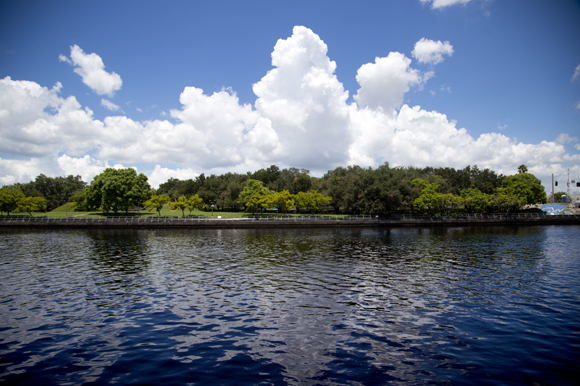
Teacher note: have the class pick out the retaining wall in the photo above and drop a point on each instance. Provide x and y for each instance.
(290, 222)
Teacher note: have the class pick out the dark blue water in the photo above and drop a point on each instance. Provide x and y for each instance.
(451, 306)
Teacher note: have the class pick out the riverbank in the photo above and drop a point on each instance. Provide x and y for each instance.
(286, 222)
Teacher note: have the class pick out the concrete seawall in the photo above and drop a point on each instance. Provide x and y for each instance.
(305, 222)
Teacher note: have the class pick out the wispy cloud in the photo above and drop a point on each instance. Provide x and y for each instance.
(443, 3)
(92, 71)
(576, 75)
(109, 105)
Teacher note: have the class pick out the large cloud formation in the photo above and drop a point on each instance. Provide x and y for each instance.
(301, 118)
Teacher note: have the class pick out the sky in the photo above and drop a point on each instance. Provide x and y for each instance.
(180, 88)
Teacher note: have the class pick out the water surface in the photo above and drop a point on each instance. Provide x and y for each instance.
(467, 305)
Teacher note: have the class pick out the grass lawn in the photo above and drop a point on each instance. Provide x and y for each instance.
(69, 210)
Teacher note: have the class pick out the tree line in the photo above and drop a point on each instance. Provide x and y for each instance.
(384, 190)
(43, 193)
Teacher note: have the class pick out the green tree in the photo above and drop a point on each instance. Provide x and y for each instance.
(475, 201)
(194, 202)
(32, 204)
(230, 197)
(449, 202)
(173, 188)
(10, 199)
(526, 187)
(487, 181)
(268, 201)
(310, 200)
(557, 197)
(284, 180)
(28, 189)
(181, 204)
(253, 194)
(504, 201)
(267, 176)
(430, 200)
(283, 200)
(57, 190)
(157, 202)
(302, 183)
(118, 189)
(211, 189)
(80, 199)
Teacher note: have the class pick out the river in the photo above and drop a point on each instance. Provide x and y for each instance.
(400, 306)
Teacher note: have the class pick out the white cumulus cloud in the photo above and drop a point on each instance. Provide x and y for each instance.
(160, 175)
(35, 121)
(12, 171)
(92, 70)
(383, 84)
(430, 51)
(87, 167)
(300, 118)
(305, 106)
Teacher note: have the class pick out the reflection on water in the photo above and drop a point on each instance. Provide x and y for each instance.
(356, 306)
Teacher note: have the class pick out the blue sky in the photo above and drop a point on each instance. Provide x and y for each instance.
(210, 87)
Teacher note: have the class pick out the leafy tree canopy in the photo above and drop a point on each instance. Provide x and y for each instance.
(56, 190)
(194, 202)
(118, 190)
(10, 199)
(32, 204)
(475, 201)
(157, 202)
(311, 200)
(252, 194)
(181, 204)
(526, 187)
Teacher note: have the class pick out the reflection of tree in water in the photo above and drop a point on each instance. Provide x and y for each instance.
(279, 246)
(483, 249)
(122, 251)
(302, 305)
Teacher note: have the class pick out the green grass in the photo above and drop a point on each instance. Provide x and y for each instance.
(70, 207)
(167, 212)
(68, 210)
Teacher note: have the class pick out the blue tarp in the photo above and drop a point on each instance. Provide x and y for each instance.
(554, 209)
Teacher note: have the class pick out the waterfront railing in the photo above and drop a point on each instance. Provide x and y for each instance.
(314, 218)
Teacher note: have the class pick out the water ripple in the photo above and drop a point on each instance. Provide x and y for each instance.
(359, 306)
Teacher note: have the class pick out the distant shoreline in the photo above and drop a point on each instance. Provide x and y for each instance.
(267, 222)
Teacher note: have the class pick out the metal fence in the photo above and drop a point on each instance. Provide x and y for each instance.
(180, 219)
